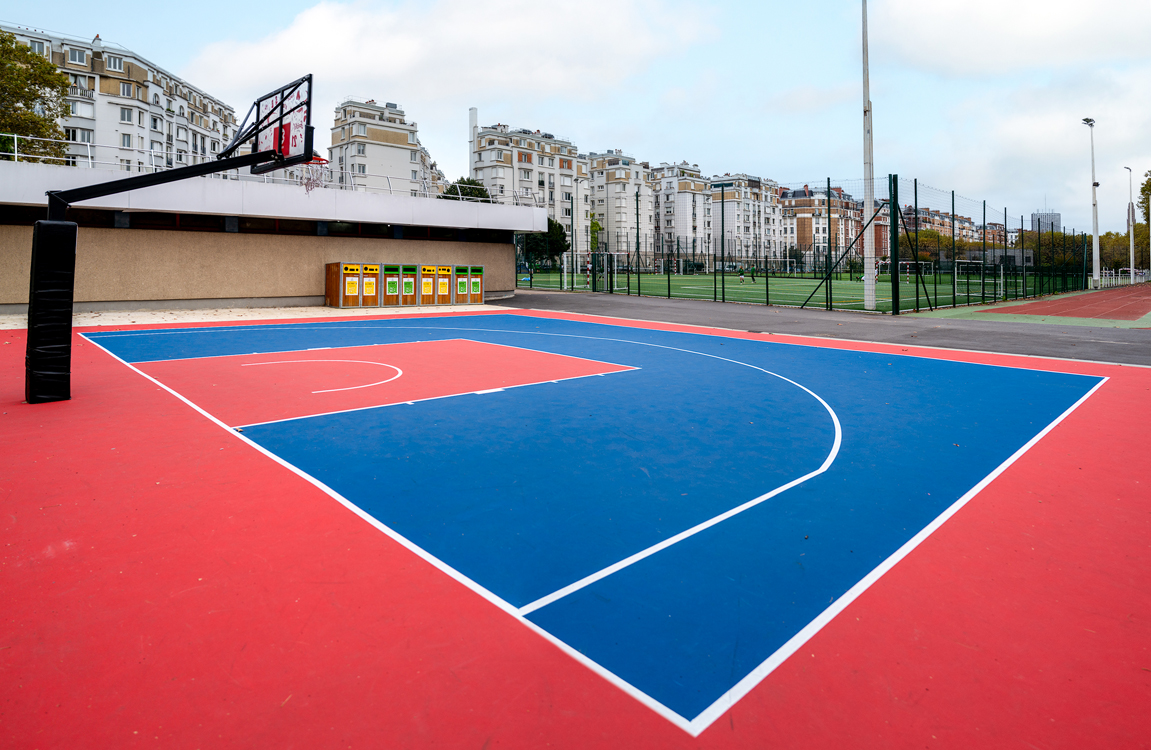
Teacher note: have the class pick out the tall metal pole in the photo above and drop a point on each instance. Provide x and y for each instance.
(723, 242)
(1090, 123)
(868, 181)
(1131, 220)
(893, 213)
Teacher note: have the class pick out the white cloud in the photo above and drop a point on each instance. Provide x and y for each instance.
(966, 37)
(438, 58)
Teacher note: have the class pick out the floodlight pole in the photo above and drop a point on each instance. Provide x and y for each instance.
(1131, 220)
(868, 180)
(1095, 284)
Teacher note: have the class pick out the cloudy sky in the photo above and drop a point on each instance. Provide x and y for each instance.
(982, 97)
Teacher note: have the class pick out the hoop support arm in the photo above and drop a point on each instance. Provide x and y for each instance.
(59, 200)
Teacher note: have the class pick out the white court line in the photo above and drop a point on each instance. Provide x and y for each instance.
(399, 372)
(702, 721)
(431, 398)
(626, 687)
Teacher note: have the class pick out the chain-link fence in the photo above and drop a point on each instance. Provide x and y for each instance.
(832, 245)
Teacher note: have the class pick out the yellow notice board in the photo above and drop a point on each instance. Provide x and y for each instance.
(351, 286)
(369, 286)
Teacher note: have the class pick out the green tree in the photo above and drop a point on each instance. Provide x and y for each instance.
(596, 228)
(465, 187)
(32, 100)
(548, 245)
(1144, 201)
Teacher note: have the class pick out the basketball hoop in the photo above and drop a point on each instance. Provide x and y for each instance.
(313, 176)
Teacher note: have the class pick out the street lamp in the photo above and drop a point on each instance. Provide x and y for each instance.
(1090, 123)
(1131, 221)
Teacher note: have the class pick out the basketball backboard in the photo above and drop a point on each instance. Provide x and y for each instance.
(283, 126)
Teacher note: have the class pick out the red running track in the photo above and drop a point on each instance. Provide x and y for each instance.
(167, 585)
(1123, 303)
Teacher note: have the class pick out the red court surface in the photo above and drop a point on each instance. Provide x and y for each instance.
(167, 585)
(251, 388)
(1123, 303)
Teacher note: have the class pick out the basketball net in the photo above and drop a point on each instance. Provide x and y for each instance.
(313, 175)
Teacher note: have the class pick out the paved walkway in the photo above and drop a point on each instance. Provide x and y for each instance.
(954, 329)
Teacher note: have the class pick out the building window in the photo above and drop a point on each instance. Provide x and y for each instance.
(180, 155)
(362, 168)
(125, 89)
(125, 115)
(126, 165)
(361, 149)
(411, 137)
(525, 158)
(525, 174)
(77, 56)
(115, 63)
(37, 47)
(81, 109)
(125, 140)
(415, 156)
(415, 175)
(361, 129)
(79, 135)
(156, 123)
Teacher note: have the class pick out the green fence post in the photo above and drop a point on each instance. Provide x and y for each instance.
(893, 254)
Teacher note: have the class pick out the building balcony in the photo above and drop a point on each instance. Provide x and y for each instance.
(81, 93)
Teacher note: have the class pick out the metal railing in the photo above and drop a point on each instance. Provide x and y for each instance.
(115, 158)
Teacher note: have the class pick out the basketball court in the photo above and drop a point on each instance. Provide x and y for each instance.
(530, 529)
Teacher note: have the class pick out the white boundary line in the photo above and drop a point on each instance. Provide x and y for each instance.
(702, 721)
(435, 562)
(744, 686)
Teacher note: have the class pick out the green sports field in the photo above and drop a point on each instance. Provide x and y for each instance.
(934, 291)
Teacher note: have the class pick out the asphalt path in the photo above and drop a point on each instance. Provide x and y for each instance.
(1124, 346)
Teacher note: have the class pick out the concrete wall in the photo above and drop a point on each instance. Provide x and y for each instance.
(121, 265)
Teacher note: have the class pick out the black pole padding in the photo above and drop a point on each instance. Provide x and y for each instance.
(48, 361)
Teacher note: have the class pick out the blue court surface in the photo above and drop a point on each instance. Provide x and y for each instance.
(680, 527)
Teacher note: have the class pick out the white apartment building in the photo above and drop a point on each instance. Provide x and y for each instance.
(127, 111)
(616, 178)
(747, 209)
(533, 167)
(375, 147)
(682, 207)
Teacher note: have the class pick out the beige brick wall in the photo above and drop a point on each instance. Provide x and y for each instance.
(144, 264)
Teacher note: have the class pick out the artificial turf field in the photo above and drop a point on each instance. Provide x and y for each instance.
(847, 294)
(556, 530)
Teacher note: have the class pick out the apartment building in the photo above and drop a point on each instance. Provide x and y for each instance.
(681, 203)
(616, 178)
(533, 167)
(940, 221)
(375, 147)
(748, 209)
(813, 221)
(126, 111)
